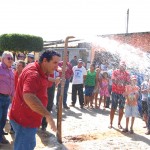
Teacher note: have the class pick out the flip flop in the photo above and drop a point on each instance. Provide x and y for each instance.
(125, 130)
(131, 131)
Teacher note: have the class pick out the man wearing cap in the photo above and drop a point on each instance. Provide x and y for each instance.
(120, 78)
(21, 56)
(30, 58)
(30, 100)
(79, 75)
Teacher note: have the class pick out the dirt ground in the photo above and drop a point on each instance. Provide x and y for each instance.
(87, 129)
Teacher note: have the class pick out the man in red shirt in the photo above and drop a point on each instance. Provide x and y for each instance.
(68, 75)
(30, 100)
(120, 78)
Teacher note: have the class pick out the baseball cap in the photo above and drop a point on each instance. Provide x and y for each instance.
(30, 55)
(80, 60)
(21, 55)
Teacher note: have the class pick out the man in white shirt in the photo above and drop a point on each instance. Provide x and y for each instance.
(79, 74)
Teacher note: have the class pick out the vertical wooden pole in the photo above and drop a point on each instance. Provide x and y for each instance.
(59, 112)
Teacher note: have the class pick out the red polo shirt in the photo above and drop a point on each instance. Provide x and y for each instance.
(69, 72)
(16, 78)
(123, 77)
(32, 80)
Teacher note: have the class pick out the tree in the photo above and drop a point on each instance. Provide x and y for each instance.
(20, 42)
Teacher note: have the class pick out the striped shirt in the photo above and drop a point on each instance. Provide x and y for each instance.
(6, 80)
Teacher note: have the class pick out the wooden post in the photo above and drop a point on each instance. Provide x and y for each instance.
(59, 111)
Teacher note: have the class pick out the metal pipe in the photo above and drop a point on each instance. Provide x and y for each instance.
(127, 21)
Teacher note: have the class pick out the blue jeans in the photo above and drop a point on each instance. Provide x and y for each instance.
(24, 137)
(4, 104)
(65, 92)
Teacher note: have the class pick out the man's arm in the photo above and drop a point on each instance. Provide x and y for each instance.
(56, 80)
(35, 104)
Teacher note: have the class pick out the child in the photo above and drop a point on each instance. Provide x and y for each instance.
(131, 108)
(96, 88)
(104, 93)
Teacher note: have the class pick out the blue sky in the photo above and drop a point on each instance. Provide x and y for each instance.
(56, 19)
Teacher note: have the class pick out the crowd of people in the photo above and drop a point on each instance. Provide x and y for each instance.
(29, 90)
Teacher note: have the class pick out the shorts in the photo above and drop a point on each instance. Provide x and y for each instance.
(117, 98)
(131, 111)
(144, 107)
(89, 90)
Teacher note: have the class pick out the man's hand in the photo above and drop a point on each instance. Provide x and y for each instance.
(51, 122)
(57, 81)
(59, 69)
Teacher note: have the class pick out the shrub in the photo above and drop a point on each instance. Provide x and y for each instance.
(20, 42)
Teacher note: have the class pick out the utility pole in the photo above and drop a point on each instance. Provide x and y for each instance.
(59, 112)
(127, 21)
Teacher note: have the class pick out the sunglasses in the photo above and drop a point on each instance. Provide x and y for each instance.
(9, 58)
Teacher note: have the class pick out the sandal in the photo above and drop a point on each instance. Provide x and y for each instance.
(91, 107)
(119, 126)
(131, 131)
(125, 130)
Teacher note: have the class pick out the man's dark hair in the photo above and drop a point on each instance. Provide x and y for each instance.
(48, 54)
(93, 65)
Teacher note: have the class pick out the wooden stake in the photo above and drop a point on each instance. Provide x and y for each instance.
(59, 111)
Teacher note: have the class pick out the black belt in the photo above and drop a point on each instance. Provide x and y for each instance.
(3, 94)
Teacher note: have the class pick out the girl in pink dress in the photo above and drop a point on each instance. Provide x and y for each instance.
(104, 93)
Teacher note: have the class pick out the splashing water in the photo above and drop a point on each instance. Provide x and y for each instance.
(134, 57)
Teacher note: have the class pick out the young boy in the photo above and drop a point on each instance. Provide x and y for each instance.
(131, 108)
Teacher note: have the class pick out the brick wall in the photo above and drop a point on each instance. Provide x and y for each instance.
(139, 40)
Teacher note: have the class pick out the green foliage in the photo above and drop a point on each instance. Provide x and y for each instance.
(20, 42)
